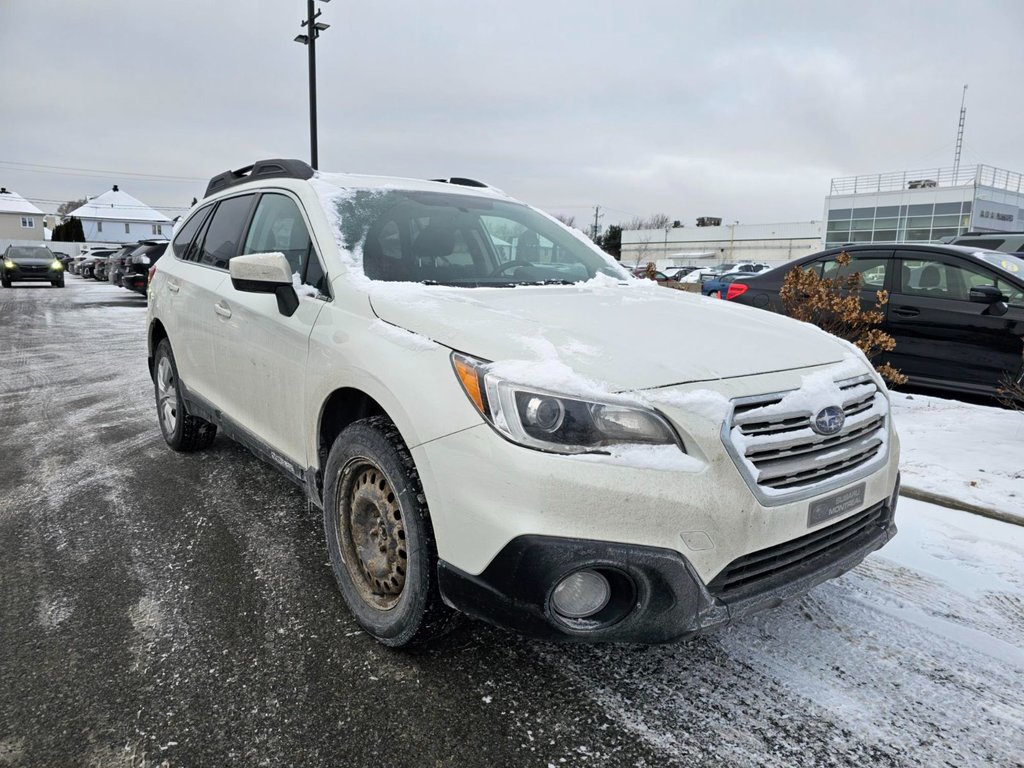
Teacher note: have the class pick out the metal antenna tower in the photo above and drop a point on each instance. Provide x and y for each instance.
(960, 135)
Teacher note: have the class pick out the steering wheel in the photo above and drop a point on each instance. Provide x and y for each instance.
(508, 265)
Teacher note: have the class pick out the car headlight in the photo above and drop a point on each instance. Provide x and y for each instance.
(549, 421)
(56, 266)
(8, 264)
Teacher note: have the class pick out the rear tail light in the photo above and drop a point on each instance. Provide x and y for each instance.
(736, 290)
(152, 271)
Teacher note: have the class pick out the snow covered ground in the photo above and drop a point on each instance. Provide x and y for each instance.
(973, 453)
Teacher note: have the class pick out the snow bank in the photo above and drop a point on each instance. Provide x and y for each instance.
(968, 452)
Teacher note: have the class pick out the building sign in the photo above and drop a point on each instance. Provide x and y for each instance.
(991, 216)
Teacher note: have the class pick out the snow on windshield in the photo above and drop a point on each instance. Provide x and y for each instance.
(457, 239)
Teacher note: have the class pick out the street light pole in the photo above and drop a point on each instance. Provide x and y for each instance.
(313, 30)
(312, 84)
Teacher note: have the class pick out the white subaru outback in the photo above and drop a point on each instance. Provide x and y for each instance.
(473, 395)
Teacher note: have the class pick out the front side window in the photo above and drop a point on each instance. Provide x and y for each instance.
(278, 226)
(462, 240)
(937, 280)
(221, 242)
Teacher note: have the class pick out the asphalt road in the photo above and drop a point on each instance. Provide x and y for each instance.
(165, 609)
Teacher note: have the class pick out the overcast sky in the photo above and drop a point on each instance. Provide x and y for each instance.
(743, 110)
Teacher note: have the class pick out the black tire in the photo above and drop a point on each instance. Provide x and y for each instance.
(380, 539)
(58, 283)
(5, 283)
(182, 431)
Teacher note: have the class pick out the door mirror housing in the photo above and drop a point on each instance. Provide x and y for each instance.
(989, 294)
(266, 273)
(986, 294)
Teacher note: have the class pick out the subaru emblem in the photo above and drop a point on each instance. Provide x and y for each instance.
(829, 420)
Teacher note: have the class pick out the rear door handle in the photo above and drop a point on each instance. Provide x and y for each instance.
(173, 287)
(906, 311)
(222, 310)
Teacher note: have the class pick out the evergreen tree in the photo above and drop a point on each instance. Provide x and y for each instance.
(75, 232)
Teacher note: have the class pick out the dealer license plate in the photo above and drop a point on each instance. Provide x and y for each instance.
(833, 506)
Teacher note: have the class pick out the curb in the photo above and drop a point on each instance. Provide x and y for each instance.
(946, 501)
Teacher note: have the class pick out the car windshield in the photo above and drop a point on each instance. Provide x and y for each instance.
(28, 252)
(463, 240)
(1007, 262)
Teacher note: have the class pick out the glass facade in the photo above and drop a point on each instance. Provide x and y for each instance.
(897, 223)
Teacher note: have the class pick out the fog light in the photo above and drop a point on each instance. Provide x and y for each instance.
(582, 594)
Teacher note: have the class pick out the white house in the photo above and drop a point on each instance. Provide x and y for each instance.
(117, 217)
(19, 219)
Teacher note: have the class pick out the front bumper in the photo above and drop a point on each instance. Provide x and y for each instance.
(22, 274)
(664, 599)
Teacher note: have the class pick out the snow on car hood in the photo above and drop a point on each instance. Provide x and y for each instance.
(628, 336)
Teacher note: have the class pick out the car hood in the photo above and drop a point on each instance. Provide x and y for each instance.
(626, 336)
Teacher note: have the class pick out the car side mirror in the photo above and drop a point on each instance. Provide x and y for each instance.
(989, 294)
(266, 273)
(986, 294)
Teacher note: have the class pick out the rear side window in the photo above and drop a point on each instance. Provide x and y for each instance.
(225, 231)
(183, 240)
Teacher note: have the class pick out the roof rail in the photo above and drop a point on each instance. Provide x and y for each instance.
(463, 182)
(261, 169)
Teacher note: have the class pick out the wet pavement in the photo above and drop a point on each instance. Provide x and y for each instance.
(167, 609)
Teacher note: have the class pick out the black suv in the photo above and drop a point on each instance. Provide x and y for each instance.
(30, 262)
(957, 313)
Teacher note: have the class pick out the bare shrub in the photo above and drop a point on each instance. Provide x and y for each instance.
(835, 306)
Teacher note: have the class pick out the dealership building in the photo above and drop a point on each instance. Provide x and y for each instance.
(923, 206)
(906, 206)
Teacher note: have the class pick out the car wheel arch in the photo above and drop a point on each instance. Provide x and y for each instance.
(157, 333)
(340, 409)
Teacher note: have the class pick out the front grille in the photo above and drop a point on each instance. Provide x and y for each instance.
(32, 269)
(782, 563)
(780, 454)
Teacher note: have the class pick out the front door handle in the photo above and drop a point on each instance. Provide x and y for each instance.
(906, 311)
(222, 310)
(173, 287)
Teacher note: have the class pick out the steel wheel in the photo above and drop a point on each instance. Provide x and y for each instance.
(372, 535)
(167, 395)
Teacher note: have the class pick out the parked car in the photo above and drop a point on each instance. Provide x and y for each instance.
(87, 267)
(23, 263)
(498, 433)
(956, 313)
(698, 275)
(143, 259)
(84, 253)
(714, 286)
(660, 277)
(116, 263)
(681, 272)
(1009, 242)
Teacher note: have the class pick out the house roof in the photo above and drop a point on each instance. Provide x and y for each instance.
(12, 202)
(119, 206)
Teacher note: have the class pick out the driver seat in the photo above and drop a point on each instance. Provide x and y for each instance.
(435, 242)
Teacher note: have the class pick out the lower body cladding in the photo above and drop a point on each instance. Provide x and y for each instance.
(570, 589)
